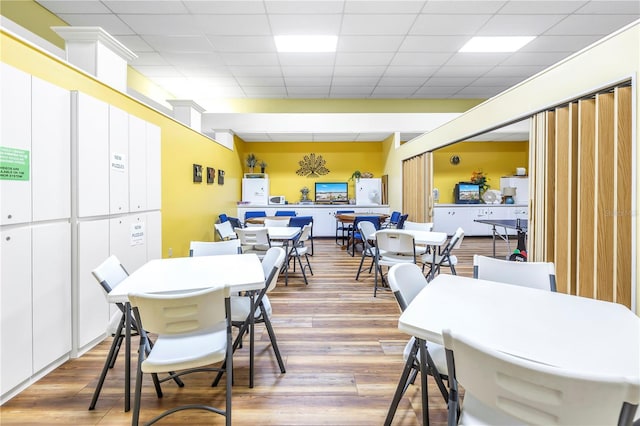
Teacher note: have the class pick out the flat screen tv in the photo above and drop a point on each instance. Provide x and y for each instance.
(332, 192)
(467, 193)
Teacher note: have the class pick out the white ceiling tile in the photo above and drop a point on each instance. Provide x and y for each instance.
(449, 81)
(463, 7)
(497, 81)
(433, 43)
(218, 76)
(420, 59)
(479, 92)
(233, 25)
(437, 92)
(351, 92)
(307, 91)
(475, 59)
(534, 58)
(346, 71)
(150, 58)
(252, 71)
(448, 24)
(611, 6)
(402, 81)
(393, 90)
(260, 81)
(182, 43)
(518, 25)
(376, 24)
(516, 71)
(363, 59)
(225, 7)
(307, 6)
(355, 81)
(162, 24)
(306, 59)
(385, 7)
(410, 71)
(110, 23)
(134, 43)
(371, 43)
(242, 43)
(307, 71)
(60, 7)
(541, 7)
(193, 59)
(253, 59)
(260, 91)
(603, 24)
(305, 24)
(147, 7)
(308, 81)
(559, 43)
(461, 71)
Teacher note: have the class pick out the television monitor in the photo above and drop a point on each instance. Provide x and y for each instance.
(331, 192)
(467, 193)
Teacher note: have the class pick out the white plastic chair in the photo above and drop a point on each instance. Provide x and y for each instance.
(418, 226)
(241, 309)
(366, 229)
(254, 240)
(299, 249)
(283, 222)
(225, 230)
(539, 275)
(392, 247)
(193, 333)
(214, 248)
(505, 389)
(445, 256)
(406, 281)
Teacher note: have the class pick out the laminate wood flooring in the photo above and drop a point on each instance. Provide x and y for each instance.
(341, 347)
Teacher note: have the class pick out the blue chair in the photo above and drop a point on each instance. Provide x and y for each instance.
(300, 221)
(235, 222)
(343, 228)
(248, 215)
(356, 236)
(403, 218)
(285, 213)
(393, 220)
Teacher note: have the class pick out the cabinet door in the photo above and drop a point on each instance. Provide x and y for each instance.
(138, 158)
(324, 222)
(154, 168)
(118, 161)
(90, 134)
(51, 151)
(128, 240)
(448, 219)
(154, 235)
(51, 279)
(15, 308)
(15, 145)
(93, 312)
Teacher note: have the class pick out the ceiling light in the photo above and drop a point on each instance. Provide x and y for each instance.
(495, 44)
(306, 43)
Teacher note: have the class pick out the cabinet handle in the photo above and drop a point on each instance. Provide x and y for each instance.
(9, 216)
(8, 238)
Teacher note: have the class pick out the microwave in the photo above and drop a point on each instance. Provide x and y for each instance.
(277, 199)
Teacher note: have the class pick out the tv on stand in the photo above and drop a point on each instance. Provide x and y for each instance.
(467, 193)
(331, 193)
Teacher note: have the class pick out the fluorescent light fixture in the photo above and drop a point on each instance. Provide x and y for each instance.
(495, 44)
(306, 43)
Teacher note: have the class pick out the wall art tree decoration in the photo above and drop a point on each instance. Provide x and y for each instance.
(312, 166)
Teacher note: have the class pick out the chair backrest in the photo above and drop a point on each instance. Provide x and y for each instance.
(395, 217)
(366, 229)
(537, 393)
(225, 230)
(235, 222)
(305, 234)
(375, 220)
(253, 236)
(418, 226)
(110, 273)
(390, 241)
(273, 258)
(248, 215)
(345, 211)
(181, 313)
(406, 280)
(539, 275)
(276, 222)
(300, 221)
(213, 248)
(285, 213)
(223, 217)
(401, 221)
(456, 240)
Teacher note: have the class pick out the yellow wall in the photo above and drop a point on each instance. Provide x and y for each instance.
(342, 159)
(495, 159)
(188, 209)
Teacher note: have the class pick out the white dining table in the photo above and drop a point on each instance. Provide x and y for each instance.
(557, 329)
(425, 238)
(234, 272)
(284, 235)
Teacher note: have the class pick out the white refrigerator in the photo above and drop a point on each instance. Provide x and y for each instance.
(255, 191)
(368, 191)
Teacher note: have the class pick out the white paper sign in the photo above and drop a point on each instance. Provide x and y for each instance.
(118, 162)
(137, 234)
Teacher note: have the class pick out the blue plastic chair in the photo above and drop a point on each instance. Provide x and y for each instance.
(356, 233)
(393, 220)
(400, 224)
(248, 215)
(235, 222)
(285, 213)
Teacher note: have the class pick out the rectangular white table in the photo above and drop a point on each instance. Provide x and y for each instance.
(235, 272)
(561, 330)
(284, 235)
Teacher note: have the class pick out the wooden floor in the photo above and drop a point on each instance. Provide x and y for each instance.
(341, 347)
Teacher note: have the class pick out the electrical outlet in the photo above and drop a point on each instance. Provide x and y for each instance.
(170, 252)
(436, 195)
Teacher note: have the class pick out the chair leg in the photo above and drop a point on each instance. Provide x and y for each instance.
(108, 363)
(138, 391)
(274, 343)
(402, 385)
(360, 267)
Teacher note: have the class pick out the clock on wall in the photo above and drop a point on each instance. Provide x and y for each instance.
(455, 160)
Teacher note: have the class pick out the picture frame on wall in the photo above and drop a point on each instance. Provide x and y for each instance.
(211, 174)
(220, 177)
(197, 173)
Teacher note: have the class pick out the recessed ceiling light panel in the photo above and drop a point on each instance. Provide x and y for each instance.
(495, 44)
(306, 43)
